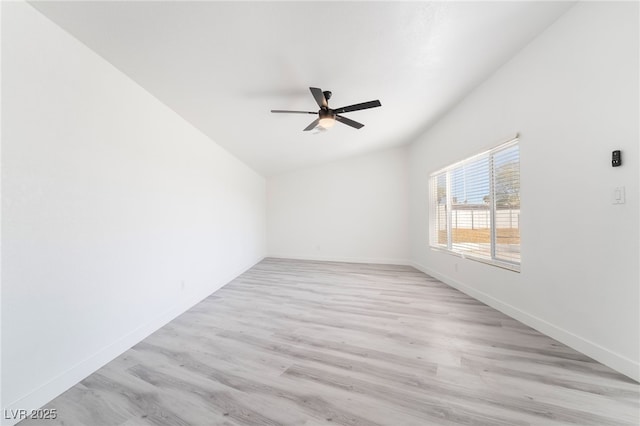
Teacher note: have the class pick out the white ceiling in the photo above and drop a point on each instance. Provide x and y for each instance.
(224, 65)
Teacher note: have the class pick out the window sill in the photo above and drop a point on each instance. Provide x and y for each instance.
(503, 265)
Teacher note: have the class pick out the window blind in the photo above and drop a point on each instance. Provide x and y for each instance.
(439, 211)
(470, 212)
(475, 206)
(506, 187)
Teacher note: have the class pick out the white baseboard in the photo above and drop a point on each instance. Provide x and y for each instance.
(65, 380)
(618, 362)
(346, 259)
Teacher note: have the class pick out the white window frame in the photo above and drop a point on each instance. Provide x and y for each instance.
(433, 203)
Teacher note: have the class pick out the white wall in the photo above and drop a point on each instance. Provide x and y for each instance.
(353, 210)
(110, 201)
(1, 131)
(573, 96)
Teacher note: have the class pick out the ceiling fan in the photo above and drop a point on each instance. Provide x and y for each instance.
(327, 116)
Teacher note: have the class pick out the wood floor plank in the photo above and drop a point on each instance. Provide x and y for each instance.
(306, 343)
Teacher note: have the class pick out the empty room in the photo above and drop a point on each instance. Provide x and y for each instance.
(320, 213)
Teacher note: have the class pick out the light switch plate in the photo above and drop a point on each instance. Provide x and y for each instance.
(618, 195)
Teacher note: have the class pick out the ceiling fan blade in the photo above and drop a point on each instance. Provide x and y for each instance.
(293, 112)
(319, 97)
(349, 122)
(357, 107)
(312, 125)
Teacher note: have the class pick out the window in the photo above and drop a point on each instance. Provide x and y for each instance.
(475, 207)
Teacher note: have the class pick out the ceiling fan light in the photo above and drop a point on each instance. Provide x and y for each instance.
(327, 122)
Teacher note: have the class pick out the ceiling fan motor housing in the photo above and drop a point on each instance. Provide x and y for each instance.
(326, 113)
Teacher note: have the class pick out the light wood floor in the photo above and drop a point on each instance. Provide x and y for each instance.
(319, 343)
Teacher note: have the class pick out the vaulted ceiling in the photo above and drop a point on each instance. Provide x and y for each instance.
(223, 66)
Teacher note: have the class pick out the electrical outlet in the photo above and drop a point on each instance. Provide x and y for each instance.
(182, 285)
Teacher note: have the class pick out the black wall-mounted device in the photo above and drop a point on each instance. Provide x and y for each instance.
(616, 158)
